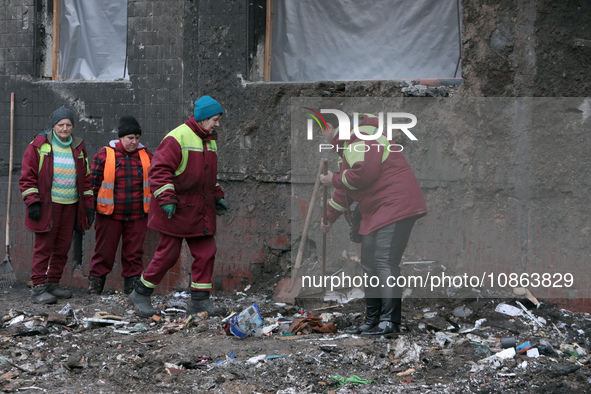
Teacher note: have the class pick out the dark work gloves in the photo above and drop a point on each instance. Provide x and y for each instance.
(34, 211)
(90, 215)
(221, 207)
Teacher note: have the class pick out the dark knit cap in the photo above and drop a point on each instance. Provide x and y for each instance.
(128, 125)
(61, 113)
(206, 107)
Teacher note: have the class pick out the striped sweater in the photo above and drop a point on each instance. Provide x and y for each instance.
(63, 188)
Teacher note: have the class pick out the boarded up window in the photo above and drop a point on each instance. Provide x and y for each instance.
(315, 40)
(83, 40)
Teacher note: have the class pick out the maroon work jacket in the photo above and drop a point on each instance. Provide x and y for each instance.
(386, 192)
(41, 179)
(194, 190)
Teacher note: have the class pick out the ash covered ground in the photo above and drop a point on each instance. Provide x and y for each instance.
(448, 344)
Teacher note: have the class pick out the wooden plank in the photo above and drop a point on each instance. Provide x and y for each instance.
(56, 40)
(268, 41)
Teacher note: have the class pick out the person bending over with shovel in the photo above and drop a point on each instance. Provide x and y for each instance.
(390, 201)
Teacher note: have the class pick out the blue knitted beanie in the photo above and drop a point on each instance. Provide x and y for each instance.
(206, 107)
(61, 113)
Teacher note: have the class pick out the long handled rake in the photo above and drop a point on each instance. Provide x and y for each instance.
(7, 275)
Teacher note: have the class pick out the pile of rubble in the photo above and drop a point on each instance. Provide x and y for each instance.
(98, 344)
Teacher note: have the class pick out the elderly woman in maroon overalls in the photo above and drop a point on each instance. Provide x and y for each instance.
(55, 184)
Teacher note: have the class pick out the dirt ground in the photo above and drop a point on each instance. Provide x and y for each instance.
(439, 350)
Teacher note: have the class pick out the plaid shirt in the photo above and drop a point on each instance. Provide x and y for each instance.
(128, 191)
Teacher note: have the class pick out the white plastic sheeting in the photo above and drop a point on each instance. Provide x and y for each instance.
(93, 40)
(315, 40)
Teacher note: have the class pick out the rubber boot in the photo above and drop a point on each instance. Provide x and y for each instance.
(57, 291)
(39, 295)
(200, 303)
(390, 312)
(129, 283)
(372, 316)
(385, 328)
(140, 297)
(96, 284)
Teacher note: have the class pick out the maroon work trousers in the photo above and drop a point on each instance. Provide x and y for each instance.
(50, 253)
(167, 253)
(108, 233)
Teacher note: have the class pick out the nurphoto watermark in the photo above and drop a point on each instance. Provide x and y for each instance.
(346, 126)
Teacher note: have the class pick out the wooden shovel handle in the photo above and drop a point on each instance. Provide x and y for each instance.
(298, 262)
(10, 162)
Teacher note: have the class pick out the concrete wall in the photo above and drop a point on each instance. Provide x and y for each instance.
(181, 49)
(538, 217)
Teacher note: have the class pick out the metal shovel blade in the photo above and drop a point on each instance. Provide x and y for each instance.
(287, 291)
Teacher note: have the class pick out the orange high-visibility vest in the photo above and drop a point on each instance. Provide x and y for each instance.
(105, 201)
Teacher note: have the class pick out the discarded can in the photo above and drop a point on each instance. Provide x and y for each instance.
(246, 322)
(507, 342)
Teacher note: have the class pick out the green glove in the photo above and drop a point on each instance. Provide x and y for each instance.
(221, 207)
(170, 209)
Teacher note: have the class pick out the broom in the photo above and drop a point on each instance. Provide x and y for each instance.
(7, 275)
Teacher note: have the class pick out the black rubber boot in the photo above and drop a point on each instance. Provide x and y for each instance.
(57, 291)
(96, 284)
(39, 295)
(129, 283)
(372, 316)
(140, 297)
(389, 313)
(385, 328)
(200, 303)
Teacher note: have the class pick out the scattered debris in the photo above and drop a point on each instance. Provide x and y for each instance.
(508, 310)
(537, 320)
(462, 311)
(100, 342)
(426, 91)
(407, 372)
(247, 322)
(307, 325)
(507, 342)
